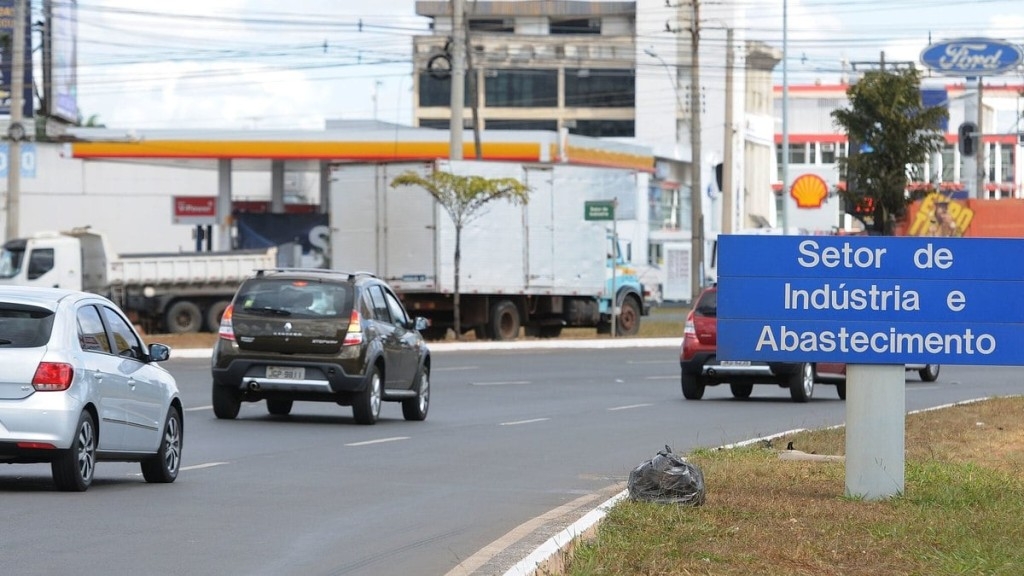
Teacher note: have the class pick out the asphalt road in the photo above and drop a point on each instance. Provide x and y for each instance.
(512, 435)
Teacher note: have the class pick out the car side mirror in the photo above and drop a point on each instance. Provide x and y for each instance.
(159, 352)
(420, 323)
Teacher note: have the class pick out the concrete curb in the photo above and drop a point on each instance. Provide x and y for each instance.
(193, 353)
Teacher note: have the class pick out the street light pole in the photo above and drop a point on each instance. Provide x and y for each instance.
(458, 76)
(16, 130)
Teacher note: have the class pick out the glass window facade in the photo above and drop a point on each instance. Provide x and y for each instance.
(435, 92)
(600, 88)
(513, 124)
(605, 128)
(521, 88)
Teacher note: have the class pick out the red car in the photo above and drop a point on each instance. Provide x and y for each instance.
(698, 359)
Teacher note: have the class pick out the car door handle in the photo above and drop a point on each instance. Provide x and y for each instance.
(131, 383)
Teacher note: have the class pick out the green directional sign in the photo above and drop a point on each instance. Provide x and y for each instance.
(599, 210)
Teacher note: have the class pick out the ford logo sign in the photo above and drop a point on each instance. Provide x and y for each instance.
(972, 57)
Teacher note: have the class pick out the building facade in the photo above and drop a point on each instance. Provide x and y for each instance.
(625, 71)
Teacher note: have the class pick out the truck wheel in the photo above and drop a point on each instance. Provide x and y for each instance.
(183, 317)
(801, 383)
(213, 314)
(629, 317)
(504, 321)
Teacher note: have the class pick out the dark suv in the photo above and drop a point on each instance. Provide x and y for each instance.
(322, 336)
(698, 359)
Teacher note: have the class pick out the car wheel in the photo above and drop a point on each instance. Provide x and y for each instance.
(366, 407)
(183, 317)
(163, 468)
(841, 390)
(74, 467)
(629, 317)
(930, 373)
(741, 390)
(416, 408)
(693, 386)
(801, 383)
(279, 407)
(226, 402)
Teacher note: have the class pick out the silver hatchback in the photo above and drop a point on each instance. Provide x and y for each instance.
(78, 385)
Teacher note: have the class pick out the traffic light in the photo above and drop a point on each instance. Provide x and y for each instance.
(967, 137)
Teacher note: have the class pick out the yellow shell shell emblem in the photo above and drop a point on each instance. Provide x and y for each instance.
(809, 191)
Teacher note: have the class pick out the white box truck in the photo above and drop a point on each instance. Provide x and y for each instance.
(541, 266)
(171, 292)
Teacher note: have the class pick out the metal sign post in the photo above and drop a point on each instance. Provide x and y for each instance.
(605, 210)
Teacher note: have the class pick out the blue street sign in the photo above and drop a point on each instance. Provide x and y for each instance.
(28, 160)
(972, 57)
(871, 299)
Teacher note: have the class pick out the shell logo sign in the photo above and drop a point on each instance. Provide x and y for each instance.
(809, 191)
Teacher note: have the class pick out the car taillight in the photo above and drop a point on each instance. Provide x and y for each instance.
(689, 329)
(53, 377)
(227, 329)
(355, 330)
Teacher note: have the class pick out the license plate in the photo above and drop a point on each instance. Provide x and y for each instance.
(286, 372)
(735, 363)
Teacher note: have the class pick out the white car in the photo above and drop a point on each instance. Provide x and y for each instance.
(78, 385)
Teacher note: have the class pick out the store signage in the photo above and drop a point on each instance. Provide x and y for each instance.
(972, 57)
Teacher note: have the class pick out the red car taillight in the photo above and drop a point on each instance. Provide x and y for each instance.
(689, 338)
(53, 377)
(227, 329)
(354, 335)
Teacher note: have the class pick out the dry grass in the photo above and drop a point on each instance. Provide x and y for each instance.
(960, 513)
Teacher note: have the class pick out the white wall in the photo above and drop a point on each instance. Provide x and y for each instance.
(130, 202)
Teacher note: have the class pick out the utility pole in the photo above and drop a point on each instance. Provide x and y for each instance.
(727, 185)
(979, 153)
(16, 130)
(458, 78)
(696, 208)
(785, 117)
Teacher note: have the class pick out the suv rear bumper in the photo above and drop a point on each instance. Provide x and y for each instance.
(322, 378)
(706, 364)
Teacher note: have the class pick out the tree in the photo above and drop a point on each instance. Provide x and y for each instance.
(889, 132)
(463, 197)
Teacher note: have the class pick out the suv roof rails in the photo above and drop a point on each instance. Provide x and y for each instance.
(351, 275)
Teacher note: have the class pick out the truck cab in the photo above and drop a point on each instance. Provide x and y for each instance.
(49, 260)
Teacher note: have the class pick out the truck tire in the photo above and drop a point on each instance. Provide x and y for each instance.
(183, 317)
(629, 317)
(213, 314)
(504, 321)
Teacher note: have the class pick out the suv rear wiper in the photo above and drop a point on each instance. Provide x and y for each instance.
(271, 311)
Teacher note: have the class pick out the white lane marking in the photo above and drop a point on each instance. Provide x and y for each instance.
(506, 383)
(201, 466)
(629, 407)
(518, 422)
(198, 408)
(379, 441)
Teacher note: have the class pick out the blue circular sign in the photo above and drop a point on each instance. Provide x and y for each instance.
(972, 57)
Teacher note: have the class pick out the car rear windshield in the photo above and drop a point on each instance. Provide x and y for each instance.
(24, 326)
(708, 304)
(303, 298)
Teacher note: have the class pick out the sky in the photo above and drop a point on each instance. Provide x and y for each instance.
(268, 64)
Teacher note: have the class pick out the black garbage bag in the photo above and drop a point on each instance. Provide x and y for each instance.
(667, 479)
